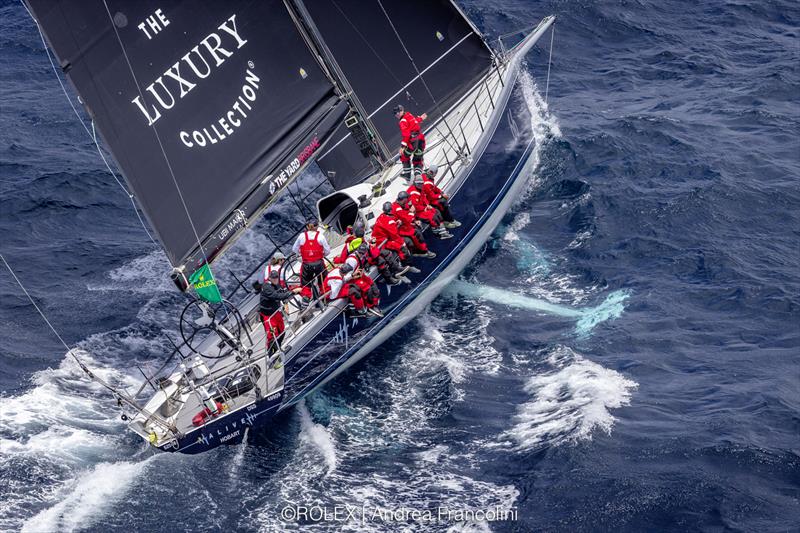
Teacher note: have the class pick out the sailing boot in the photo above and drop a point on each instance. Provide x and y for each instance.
(375, 311)
(426, 255)
(442, 233)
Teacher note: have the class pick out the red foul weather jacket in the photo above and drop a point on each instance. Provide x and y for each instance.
(432, 193)
(405, 217)
(385, 229)
(410, 128)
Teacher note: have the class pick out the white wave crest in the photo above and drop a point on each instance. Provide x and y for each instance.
(84, 500)
(317, 436)
(543, 126)
(66, 427)
(147, 274)
(569, 402)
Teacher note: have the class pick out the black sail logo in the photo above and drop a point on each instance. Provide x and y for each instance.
(185, 74)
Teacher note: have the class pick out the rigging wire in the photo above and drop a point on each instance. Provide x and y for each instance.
(92, 133)
(389, 70)
(130, 195)
(161, 146)
(158, 137)
(69, 350)
(433, 98)
(121, 396)
(549, 62)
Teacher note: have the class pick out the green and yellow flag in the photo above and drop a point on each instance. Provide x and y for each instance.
(205, 285)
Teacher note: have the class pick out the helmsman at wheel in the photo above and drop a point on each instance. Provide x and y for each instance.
(312, 247)
(271, 309)
(412, 144)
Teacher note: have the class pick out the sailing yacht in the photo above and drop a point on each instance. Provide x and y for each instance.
(212, 110)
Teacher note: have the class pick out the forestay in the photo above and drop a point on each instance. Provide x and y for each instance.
(446, 49)
(209, 108)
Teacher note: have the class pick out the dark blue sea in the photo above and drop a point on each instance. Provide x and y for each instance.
(658, 391)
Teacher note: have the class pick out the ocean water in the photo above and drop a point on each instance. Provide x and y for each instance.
(624, 354)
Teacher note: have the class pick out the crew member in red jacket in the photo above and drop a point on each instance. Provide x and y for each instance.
(388, 263)
(412, 144)
(409, 228)
(437, 198)
(424, 211)
(354, 237)
(386, 233)
(338, 284)
(370, 292)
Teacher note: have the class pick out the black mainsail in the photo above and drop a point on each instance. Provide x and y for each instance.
(445, 47)
(210, 108)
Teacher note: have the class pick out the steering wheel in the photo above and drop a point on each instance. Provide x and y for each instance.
(199, 316)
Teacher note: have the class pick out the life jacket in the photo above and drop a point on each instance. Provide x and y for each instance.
(364, 283)
(335, 274)
(311, 251)
(358, 259)
(268, 270)
(373, 255)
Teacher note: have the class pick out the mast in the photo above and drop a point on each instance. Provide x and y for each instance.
(384, 57)
(358, 122)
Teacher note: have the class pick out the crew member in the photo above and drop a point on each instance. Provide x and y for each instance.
(388, 262)
(312, 247)
(275, 264)
(337, 285)
(424, 211)
(409, 227)
(387, 235)
(358, 257)
(355, 236)
(412, 144)
(437, 198)
(270, 307)
(369, 291)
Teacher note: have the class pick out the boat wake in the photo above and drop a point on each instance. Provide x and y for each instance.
(317, 436)
(568, 402)
(587, 318)
(64, 433)
(388, 452)
(66, 457)
(88, 497)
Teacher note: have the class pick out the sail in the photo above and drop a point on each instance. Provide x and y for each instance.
(445, 47)
(210, 108)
